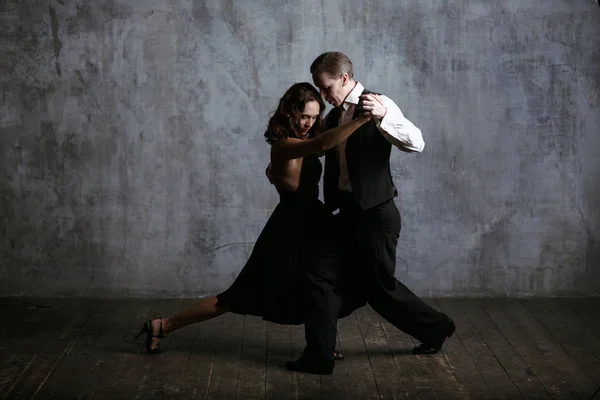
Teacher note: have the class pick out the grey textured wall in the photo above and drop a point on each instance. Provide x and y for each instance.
(132, 157)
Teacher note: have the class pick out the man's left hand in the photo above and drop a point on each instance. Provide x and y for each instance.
(372, 106)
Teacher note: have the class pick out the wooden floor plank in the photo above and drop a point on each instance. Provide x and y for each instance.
(306, 386)
(472, 383)
(441, 375)
(54, 335)
(21, 319)
(203, 352)
(566, 336)
(501, 313)
(585, 335)
(503, 349)
(252, 376)
(380, 355)
(226, 367)
(126, 350)
(518, 371)
(113, 324)
(335, 386)
(92, 353)
(279, 382)
(587, 309)
(21, 340)
(494, 374)
(361, 380)
(551, 349)
(168, 383)
(412, 374)
(147, 368)
(588, 306)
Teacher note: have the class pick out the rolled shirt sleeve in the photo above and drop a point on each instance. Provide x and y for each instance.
(398, 130)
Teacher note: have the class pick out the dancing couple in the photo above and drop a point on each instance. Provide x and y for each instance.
(309, 266)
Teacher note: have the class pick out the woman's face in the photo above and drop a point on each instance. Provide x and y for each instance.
(308, 116)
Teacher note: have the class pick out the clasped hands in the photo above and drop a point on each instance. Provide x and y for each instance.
(372, 106)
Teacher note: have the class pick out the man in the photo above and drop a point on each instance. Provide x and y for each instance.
(358, 182)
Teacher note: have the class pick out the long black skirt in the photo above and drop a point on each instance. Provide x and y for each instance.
(273, 282)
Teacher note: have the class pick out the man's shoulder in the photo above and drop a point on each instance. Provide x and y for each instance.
(367, 91)
(386, 99)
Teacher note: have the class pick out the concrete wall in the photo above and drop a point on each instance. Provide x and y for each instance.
(132, 157)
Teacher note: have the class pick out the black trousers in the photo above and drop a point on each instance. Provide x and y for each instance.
(366, 274)
(322, 307)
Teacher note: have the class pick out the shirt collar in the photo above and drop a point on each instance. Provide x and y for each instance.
(353, 96)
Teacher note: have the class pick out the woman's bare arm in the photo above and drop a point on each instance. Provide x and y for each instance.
(292, 148)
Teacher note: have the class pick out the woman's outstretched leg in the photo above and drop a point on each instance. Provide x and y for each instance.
(202, 310)
(158, 328)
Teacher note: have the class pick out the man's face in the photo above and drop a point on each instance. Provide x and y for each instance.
(333, 89)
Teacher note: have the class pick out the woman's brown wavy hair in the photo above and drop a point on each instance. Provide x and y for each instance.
(284, 121)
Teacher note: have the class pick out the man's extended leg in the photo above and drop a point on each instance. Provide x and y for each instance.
(388, 296)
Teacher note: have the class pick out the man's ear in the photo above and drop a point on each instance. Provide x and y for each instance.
(345, 78)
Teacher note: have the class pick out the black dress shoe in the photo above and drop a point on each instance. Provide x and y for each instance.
(435, 345)
(305, 364)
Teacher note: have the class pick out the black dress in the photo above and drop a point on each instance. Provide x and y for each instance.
(300, 231)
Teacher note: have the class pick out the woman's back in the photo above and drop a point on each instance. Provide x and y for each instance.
(308, 183)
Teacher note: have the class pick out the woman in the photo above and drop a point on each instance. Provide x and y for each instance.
(299, 231)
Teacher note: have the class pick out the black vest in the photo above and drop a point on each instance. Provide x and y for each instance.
(368, 162)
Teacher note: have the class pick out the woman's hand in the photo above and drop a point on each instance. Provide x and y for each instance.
(372, 106)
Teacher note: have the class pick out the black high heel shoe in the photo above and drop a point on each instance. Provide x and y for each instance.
(147, 329)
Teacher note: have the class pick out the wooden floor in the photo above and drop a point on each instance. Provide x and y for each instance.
(502, 349)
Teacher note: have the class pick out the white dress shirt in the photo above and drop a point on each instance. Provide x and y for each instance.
(394, 127)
